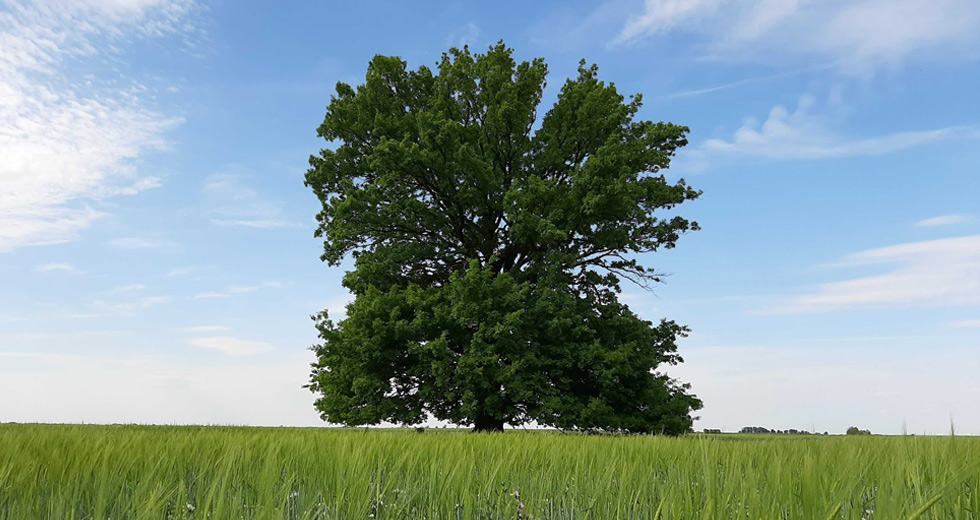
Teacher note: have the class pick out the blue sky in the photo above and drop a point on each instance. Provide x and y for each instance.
(157, 258)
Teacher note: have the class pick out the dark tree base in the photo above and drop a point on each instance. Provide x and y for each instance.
(488, 424)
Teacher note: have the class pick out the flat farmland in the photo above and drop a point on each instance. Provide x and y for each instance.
(187, 472)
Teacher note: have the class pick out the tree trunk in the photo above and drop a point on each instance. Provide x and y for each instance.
(486, 423)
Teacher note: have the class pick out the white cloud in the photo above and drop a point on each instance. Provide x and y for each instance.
(233, 291)
(231, 202)
(41, 356)
(178, 271)
(5, 316)
(465, 35)
(858, 35)
(33, 341)
(232, 346)
(565, 27)
(257, 223)
(965, 323)
(55, 266)
(928, 273)
(786, 135)
(104, 309)
(742, 82)
(888, 30)
(943, 220)
(337, 307)
(662, 15)
(140, 243)
(206, 328)
(126, 288)
(69, 142)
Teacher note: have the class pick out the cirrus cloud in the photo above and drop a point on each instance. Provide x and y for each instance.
(927, 273)
(69, 138)
(857, 35)
(965, 323)
(802, 135)
(56, 266)
(231, 202)
(943, 220)
(232, 346)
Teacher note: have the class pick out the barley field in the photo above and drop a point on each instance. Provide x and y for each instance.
(171, 472)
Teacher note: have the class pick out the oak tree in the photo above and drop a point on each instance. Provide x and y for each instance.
(489, 246)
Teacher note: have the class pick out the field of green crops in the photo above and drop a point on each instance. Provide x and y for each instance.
(118, 472)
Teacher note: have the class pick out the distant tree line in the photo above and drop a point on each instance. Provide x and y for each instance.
(853, 430)
(791, 431)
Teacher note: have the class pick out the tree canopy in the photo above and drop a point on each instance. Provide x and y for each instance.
(489, 246)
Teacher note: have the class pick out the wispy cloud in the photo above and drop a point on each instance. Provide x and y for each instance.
(6, 316)
(568, 28)
(663, 15)
(40, 356)
(140, 243)
(122, 289)
(206, 328)
(800, 134)
(742, 82)
(465, 35)
(178, 271)
(232, 346)
(943, 220)
(63, 338)
(68, 144)
(337, 307)
(965, 323)
(231, 202)
(928, 273)
(234, 291)
(56, 266)
(858, 35)
(109, 309)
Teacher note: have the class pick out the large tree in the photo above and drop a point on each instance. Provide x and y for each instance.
(489, 248)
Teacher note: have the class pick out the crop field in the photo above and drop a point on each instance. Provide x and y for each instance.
(119, 472)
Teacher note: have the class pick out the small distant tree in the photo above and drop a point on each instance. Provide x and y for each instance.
(854, 430)
(488, 248)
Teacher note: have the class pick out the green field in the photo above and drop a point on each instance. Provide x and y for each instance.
(118, 472)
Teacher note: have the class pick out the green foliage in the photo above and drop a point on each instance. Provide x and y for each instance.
(854, 430)
(488, 255)
(216, 473)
